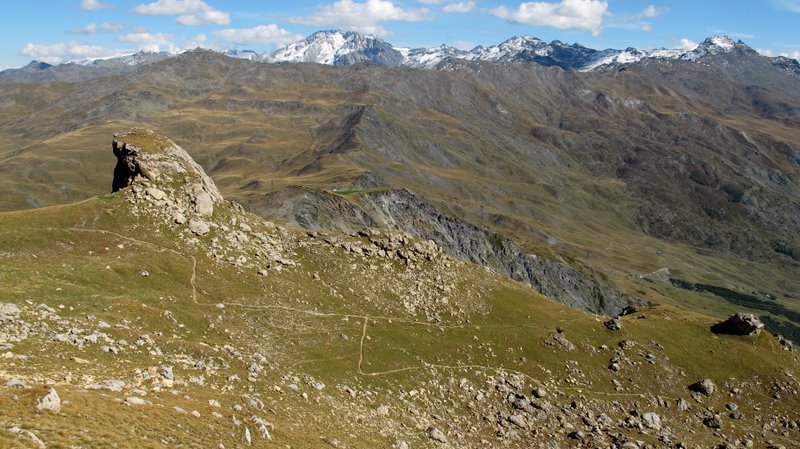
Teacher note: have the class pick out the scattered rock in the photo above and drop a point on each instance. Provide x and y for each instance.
(628, 310)
(651, 421)
(614, 324)
(558, 339)
(199, 227)
(739, 324)
(626, 344)
(576, 435)
(683, 405)
(17, 383)
(705, 386)
(248, 439)
(134, 400)
(712, 422)
(30, 435)
(9, 312)
(518, 420)
(50, 402)
(437, 435)
(111, 385)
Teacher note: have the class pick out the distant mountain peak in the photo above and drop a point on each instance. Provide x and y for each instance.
(334, 47)
(722, 42)
(38, 65)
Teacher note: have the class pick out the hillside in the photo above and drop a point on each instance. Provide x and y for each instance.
(683, 166)
(165, 316)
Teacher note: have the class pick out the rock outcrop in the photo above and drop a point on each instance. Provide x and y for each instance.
(161, 181)
(143, 155)
(739, 324)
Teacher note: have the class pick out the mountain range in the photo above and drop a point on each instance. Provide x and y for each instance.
(345, 48)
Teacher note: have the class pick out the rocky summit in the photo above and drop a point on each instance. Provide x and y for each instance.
(123, 324)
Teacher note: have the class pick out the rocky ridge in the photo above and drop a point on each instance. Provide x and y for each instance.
(401, 210)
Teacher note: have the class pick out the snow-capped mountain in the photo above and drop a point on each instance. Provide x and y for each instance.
(343, 48)
(130, 60)
(338, 48)
(430, 58)
(251, 55)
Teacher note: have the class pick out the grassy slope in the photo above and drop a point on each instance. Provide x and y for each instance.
(260, 128)
(69, 257)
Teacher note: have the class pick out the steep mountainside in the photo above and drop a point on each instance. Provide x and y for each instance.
(685, 165)
(164, 316)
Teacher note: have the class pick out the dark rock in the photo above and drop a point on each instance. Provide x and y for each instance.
(628, 310)
(712, 422)
(577, 435)
(614, 324)
(739, 324)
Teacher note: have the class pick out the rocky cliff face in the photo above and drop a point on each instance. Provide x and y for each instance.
(402, 209)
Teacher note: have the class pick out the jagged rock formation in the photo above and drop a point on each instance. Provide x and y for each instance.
(144, 155)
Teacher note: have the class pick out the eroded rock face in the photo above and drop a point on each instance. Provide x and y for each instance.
(145, 157)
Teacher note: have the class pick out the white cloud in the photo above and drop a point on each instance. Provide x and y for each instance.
(364, 17)
(67, 51)
(566, 14)
(772, 54)
(459, 7)
(650, 12)
(146, 38)
(262, 34)
(93, 28)
(648, 27)
(153, 42)
(789, 5)
(687, 44)
(214, 17)
(431, 2)
(188, 12)
(94, 5)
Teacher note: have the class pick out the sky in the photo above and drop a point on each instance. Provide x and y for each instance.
(57, 31)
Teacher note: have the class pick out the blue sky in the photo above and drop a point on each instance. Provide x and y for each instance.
(62, 30)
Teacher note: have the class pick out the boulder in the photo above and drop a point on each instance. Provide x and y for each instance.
(9, 312)
(50, 402)
(614, 324)
(651, 421)
(705, 386)
(199, 227)
(437, 435)
(739, 324)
